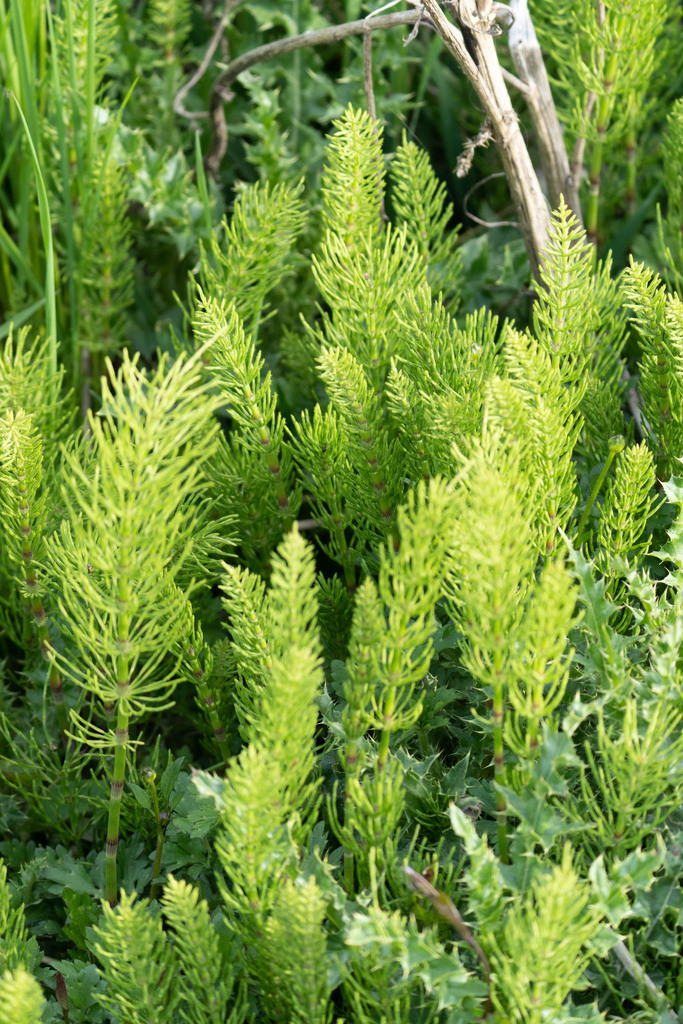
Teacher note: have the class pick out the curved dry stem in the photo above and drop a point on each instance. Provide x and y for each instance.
(221, 92)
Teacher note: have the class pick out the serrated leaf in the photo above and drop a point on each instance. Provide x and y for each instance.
(609, 897)
(538, 819)
(169, 778)
(141, 796)
(68, 873)
(211, 786)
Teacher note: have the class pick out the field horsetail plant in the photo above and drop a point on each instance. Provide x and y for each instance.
(341, 556)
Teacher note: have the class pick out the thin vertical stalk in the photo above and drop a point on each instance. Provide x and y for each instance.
(202, 185)
(121, 733)
(115, 795)
(631, 157)
(296, 84)
(616, 445)
(536, 705)
(36, 603)
(67, 221)
(90, 89)
(208, 702)
(161, 821)
(50, 269)
(498, 746)
(603, 115)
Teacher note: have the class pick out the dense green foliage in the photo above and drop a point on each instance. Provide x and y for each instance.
(340, 612)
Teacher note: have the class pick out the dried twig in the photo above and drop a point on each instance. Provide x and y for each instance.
(526, 54)
(476, 54)
(478, 220)
(444, 905)
(482, 138)
(199, 73)
(367, 71)
(318, 37)
(633, 968)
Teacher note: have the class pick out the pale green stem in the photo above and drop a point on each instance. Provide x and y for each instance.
(354, 731)
(206, 697)
(387, 716)
(388, 720)
(616, 444)
(115, 795)
(149, 777)
(378, 482)
(603, 115)
(121, 733)
(39, 616)
(498, 749)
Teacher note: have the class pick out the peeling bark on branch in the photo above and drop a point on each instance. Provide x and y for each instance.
(221, 91)
(474, 49)
(528, 60)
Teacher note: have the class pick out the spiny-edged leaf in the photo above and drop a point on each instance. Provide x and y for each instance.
(169, 777)
(604, 643)
(539, 822)
(84, 984)
(611, 891)
(673, 551)
(64, 871)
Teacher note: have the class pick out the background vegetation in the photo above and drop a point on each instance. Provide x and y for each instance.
(418, 758)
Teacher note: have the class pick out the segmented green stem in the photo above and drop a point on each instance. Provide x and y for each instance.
(39, 616)
(616, 445)
(121, 732)
(115, 795)
(631, 158)
(378, 482)
(206, 697)
(336, 525)
(265, 438)
(604, 111)
(498, 745)
(161, 819)
(338, 538)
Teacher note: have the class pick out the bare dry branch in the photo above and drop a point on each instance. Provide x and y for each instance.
(475, 52)
(528, 59)
(221, 90)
